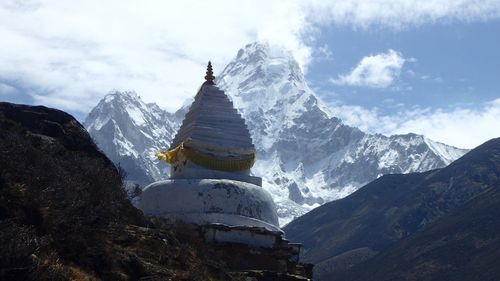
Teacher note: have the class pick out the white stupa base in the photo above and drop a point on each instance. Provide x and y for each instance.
(190, 170)
(218, 218)
(208, 201)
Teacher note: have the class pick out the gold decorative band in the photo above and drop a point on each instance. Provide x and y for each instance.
(205, 160)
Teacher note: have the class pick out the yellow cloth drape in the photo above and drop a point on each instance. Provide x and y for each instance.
(206, 160)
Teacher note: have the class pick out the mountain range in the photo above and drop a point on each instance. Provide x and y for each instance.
(305, 155)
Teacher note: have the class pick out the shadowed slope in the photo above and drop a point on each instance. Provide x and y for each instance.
(464, 245)
(343, 233)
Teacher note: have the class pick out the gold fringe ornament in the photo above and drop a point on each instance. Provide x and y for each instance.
(206, 160)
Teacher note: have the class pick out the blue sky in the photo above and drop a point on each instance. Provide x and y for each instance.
(387, 66)
(446, 65)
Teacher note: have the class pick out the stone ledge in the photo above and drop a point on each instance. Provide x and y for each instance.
(278, 260)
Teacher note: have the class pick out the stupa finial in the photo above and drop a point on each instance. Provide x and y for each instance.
(210, 74)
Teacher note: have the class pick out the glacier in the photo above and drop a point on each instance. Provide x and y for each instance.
(305, 155)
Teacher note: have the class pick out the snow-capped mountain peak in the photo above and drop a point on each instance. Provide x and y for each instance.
(130, 131)
(265, 65)
(267, 85)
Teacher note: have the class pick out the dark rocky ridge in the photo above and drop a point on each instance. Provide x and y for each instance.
(415, 208)
(63, 213)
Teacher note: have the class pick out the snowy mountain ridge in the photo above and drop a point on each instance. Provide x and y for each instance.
(305, 155)
(130, 132)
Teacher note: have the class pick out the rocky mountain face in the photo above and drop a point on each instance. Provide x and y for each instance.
(435, 225)
(306, 156)
(130, 132)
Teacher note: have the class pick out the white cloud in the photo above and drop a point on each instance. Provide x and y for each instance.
(461, 127)
(377, 71)
(323, 53)
(70, 53)
(400, 14)
(73, 52)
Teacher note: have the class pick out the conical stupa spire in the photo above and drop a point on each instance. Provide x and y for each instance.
(213, 134)
(210, 74)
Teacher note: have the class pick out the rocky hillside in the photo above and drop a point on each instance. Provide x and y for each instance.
(463, 245)
(65, 216)
(436, 225)
(306, 155)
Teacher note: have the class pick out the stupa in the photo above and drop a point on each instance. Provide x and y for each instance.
(210, 181)
(212, 196)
